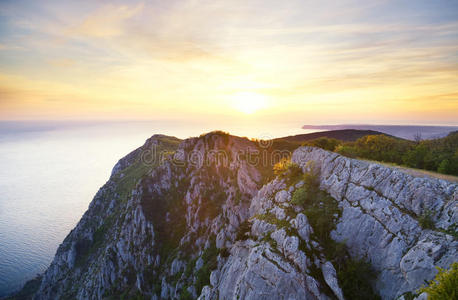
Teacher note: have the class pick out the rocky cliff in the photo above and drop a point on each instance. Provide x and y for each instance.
(204, 218)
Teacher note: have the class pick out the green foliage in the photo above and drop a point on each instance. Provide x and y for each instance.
(203, 274)
(243, 231)
(347, 150)
(416, 157)
(189, 268)
(325, 143)
(185, 294)
(224, 252)
(382, 148)
(322, 212)
(439, 155)
(444, 167)
(320, 208)
(426, 220)
(409, 296)
(287, 169)
(445, 285)
(354, 277)
(268, 239)
(300, 196)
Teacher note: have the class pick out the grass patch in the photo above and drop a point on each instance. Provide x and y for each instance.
(426, 220)
(322, 211)
(243, 231)
(203, 274)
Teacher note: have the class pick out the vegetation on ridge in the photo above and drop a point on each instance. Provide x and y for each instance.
(322, 211)
(439, 155)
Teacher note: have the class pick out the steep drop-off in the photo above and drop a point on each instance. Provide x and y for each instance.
(206, 221)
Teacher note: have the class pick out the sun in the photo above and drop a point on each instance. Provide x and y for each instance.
(248, 102)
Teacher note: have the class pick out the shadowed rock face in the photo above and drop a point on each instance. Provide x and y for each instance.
(381, 208)
(214, 231)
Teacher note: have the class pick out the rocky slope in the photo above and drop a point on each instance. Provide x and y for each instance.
(206, 221)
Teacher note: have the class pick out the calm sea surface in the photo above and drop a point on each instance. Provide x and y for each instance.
(49, 174)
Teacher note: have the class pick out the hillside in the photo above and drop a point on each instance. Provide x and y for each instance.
(292, 142)
(346, 135)
(207, 221)
(408, 132)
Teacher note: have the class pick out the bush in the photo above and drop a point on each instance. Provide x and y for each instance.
(185, 294)
(243, 231)
(325, 143)
(426, 220)
(287, 169)
(347, 150)
(382, 148)
(300, 196)
(438, 155)
(210, 263)
(354, 278)
(445, 285)
(322, 212)
(444, 167)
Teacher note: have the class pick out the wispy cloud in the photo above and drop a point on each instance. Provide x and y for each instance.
(192, 55)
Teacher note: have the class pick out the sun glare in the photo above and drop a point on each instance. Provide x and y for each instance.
(249, 102)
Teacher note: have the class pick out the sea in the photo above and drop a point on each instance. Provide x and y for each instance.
(50, 171)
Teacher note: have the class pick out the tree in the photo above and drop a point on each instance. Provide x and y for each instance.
(325, 143)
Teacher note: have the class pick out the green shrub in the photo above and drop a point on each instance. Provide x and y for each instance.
(224, 252)
(287, 169)
(210, 263)
(354, 278)
(243, 231)
(325, 143)
(444, 286)
(300, 196)
(347, 150)
(189, 268)
(185, 294)
(444, 166)
(426, 220)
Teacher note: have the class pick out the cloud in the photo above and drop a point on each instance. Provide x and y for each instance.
(106, 22)
(189, 54)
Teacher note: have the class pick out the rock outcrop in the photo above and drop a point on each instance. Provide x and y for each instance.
(202, 221)
(380, 220)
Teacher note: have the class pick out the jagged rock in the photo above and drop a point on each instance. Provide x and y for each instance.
(144, 236)
(255, 272)
(177, 266)
(381, 207)
(330, 276)
(282, 196)
(260, 228)
(199, 264)
(302, 225)
(290, 245)
(220, 239)
(279, 213)
(214, 277)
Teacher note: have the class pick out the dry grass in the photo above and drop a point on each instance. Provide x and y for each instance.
(416, 172)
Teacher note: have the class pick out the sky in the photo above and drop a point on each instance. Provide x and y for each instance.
(304, 62)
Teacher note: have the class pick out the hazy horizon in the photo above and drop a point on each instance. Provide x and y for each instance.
(85, 83)
(305, 62)
(186, 129)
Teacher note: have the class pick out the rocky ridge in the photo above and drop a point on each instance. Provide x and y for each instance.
(201, 223)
